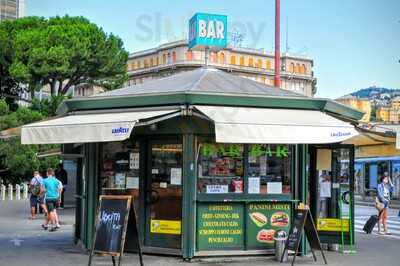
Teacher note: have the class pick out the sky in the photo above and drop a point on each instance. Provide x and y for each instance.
(354, 43)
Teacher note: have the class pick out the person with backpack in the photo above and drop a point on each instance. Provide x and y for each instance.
(34, 188)
(384, 190)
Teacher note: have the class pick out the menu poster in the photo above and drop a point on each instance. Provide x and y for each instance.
(220, 226)
(254, 185)
(176, 176)
(263, 221)
(217, 189)
(134, 160)
(132, 182)
(274, 187)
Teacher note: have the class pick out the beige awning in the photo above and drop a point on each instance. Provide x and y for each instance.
(263, 125)
(84, 128)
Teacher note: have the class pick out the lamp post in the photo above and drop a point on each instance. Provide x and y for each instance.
(277, 79)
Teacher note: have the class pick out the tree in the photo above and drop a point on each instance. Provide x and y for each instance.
(10, 87)
(68, 51)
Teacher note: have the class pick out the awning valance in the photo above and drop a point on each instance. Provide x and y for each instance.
(84, 128)
(262, 125)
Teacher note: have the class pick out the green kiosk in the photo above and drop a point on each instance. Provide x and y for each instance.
(216, 162)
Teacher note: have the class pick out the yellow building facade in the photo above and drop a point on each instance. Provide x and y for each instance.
(363, 105)
(383, 114)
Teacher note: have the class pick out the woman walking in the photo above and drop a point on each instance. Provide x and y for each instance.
(385, 187)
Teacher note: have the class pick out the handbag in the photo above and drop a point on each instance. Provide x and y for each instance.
(378, 205)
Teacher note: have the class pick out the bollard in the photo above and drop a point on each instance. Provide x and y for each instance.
(10, 192)
(17, 192)
(25, 189)
(3, 192)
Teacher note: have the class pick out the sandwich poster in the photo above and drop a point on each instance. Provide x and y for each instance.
(263, 221)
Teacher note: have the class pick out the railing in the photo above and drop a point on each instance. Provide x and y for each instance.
(10, 192)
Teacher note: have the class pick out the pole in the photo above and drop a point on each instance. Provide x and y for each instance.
(10, 192)
(277, 79)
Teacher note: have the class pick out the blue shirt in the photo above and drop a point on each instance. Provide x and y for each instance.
(51, 185)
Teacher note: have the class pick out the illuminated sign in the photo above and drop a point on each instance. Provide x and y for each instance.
(207, 30)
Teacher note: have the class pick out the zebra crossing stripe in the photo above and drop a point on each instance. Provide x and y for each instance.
(393, 226)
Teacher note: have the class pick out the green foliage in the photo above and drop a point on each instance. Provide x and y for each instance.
(20, 117)
(21, 160)
(4, 109)
(62, 52)
(47, 107)
(9, 30)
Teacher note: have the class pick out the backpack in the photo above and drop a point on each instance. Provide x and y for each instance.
(35, 190)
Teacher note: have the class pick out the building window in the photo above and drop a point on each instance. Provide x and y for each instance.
(213, 57)
(146, 64)
(151, 62)
(268, 64)
(189, 55)
(291, 67)
(233, 59)
(221, 58)
(303, 69)
(297, 69)
(173, 57)
(117, 169)
(164, 59)
(269, 169)
(241, 61)
(157, 60)
(220, 168)
(259, 63)
(250, 63)
(169, 58)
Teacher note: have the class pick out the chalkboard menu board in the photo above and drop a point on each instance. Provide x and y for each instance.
(111, 225)
(303, 221)
(296, 230)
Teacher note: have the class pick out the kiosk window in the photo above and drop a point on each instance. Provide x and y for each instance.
(120, 165)
(269, 168)
(220, 168)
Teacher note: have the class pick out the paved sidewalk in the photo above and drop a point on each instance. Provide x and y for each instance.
(22, 242)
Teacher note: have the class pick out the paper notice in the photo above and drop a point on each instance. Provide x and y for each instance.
(134, 160)
(132, 182)
(154, 171)
(176, 176)
(217, 189)
(274, 187)
(325, 189)
(254, 185)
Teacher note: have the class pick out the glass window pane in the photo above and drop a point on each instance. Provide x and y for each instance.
(220, 168)
(269, 168)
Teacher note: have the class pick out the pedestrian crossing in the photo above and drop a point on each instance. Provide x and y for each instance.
(393, 226)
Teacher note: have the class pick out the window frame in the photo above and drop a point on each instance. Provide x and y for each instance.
(244, 196)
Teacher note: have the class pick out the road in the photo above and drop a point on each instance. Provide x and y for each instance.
(23, 242)
(362, 214)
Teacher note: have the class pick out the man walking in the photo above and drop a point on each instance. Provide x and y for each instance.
(51, 188)
(34, 189)
(62, 175)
